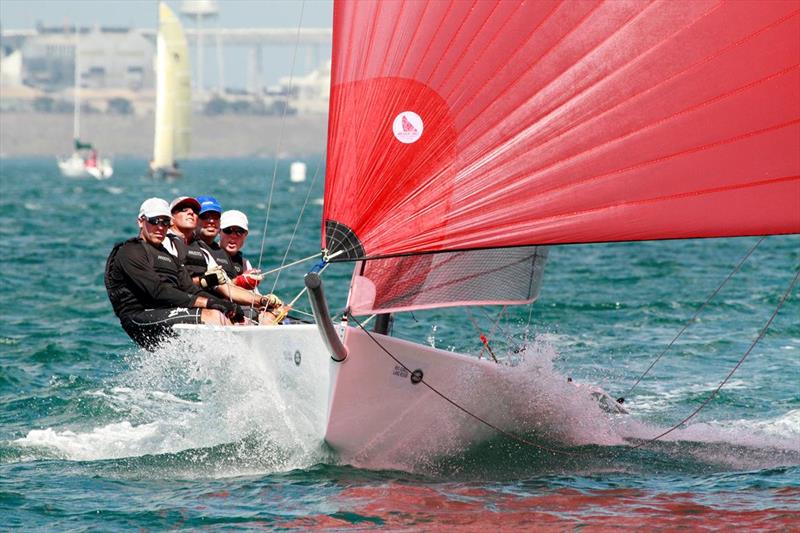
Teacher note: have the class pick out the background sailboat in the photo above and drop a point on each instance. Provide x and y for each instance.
(173, 96)
(84, 161)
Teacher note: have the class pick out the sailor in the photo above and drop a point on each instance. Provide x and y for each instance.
(234, 227)
(208, 229)
(181, 240)
(150, 290)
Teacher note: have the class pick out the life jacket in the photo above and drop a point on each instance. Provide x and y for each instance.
(122, 295)
(118, 292)
(238, 265)
(191, 255)
(218, 254)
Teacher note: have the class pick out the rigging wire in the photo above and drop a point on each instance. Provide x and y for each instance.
(735, 368)
(294, 231)
(693, 318)
(280, 134)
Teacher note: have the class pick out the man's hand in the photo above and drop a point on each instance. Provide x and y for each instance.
(213, 277)
(270, 300)
(231, 310)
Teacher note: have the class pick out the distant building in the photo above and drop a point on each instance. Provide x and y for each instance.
(10, 68)
(110, 58)
(116, 59)
(309, 94)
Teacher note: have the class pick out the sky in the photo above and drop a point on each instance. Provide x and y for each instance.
(25, 14)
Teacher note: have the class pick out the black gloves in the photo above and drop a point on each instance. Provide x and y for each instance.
(231, 310)
(209, 281)
(213, 277)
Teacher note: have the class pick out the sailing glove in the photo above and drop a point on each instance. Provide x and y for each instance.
(213, 277)
(231, 310)
(270, 300)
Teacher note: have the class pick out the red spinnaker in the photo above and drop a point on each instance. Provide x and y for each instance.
(462, 125)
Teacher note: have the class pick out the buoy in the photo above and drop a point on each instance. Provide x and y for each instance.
(297, 172)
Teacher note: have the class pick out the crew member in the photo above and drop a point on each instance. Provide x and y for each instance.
(149, 288)
(181, 240)
(208, 229)
(234, 227)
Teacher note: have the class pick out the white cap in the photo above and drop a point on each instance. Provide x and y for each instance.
(154, 207)
(233, 218)
(184, 200)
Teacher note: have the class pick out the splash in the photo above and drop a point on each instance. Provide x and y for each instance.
(199, 392)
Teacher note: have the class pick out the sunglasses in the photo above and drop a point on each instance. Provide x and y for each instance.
(237, 231)
(164, 222)
(211, 215)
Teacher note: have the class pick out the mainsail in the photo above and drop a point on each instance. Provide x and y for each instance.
(458, 126)
(173, 93)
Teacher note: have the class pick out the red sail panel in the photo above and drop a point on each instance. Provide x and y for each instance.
(464, 125)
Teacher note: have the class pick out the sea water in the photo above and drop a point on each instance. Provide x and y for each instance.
(96, 434)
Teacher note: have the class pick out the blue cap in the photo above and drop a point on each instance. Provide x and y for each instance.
(209, 203)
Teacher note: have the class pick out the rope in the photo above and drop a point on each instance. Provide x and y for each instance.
(735, 368)
(284, 267)
(280, 135)
(483, 338)
(694, 317)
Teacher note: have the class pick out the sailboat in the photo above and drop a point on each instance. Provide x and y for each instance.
(173, 96)
(84, 161)
(465, 138)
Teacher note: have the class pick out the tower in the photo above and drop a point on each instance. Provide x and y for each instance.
(199, 10)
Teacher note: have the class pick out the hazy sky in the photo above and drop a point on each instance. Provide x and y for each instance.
(21, 14)
(143, 13)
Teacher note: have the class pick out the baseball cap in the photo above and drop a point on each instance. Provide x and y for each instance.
(154, 207)
(184, 200)
(233, 218)
(209, 203)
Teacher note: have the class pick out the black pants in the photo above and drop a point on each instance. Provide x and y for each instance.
(150, 327)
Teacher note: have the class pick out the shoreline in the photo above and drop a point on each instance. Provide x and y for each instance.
(131, 136)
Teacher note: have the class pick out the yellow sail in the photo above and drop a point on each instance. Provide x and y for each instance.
(173, 93)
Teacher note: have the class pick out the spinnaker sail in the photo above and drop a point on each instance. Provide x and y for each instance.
(173, 92)
(475, 125)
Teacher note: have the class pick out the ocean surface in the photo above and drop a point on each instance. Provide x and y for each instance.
(98, 435)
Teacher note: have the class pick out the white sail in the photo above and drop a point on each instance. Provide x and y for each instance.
(173, 94)
(84, 162)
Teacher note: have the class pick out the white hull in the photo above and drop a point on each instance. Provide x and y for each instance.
(75, 167)
(378, 417)
(367, 409)
(292, 355)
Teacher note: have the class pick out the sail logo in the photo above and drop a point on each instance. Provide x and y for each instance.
(407, 127)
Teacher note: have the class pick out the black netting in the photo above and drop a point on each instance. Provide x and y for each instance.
(506, 275)
(339, 237)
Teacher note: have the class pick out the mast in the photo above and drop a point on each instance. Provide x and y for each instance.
(76, 96)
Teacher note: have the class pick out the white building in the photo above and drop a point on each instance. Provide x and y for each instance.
(309, 94)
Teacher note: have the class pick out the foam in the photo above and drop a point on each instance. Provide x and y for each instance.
(191, 394)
